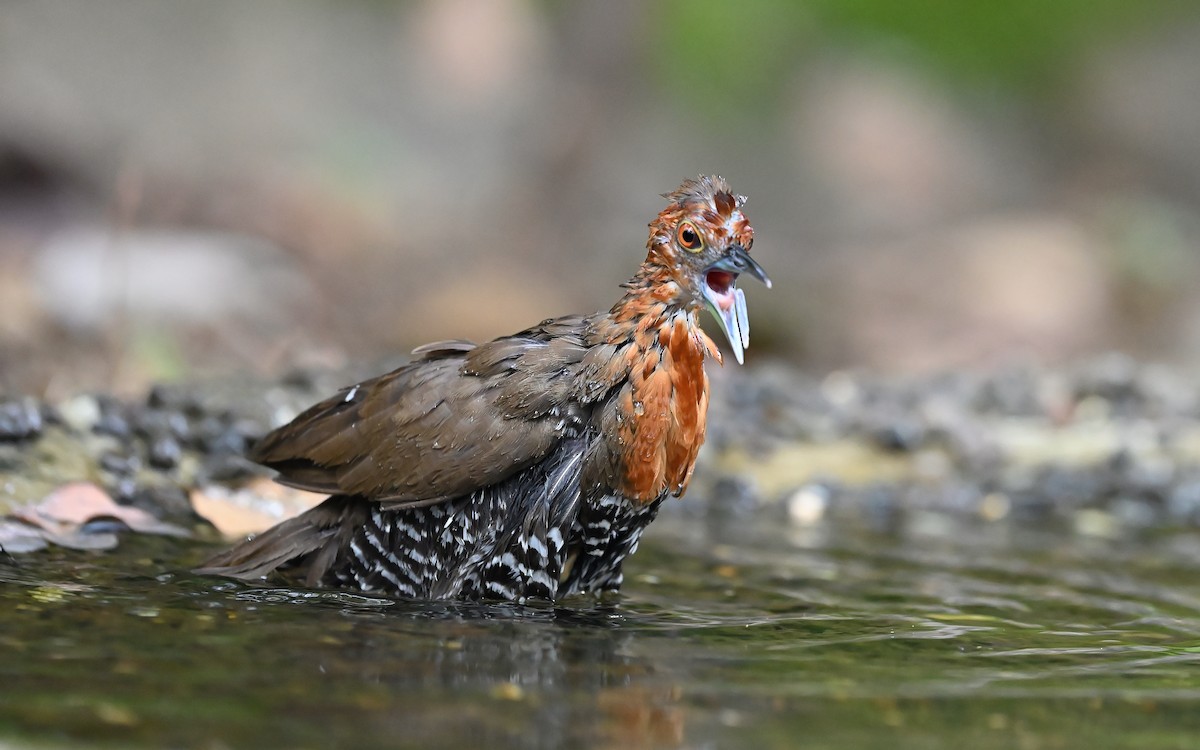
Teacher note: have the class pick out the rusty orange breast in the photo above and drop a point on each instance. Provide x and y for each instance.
(665, 409)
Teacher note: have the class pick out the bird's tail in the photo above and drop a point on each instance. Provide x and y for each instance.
(305, 546)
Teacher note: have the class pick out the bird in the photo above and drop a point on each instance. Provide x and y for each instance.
(525, 468)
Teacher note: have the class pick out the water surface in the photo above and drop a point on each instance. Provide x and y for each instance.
(730, 633)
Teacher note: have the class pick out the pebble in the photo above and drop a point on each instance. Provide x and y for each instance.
(207, 432)
(1136, 513)
(124, 489)
(154, 424)
(20, 419)
(734, 496)
(1183, 502)
(881, 510)
(162, 501)
(902, 435)
(121, 465)
(224, 440)
(174, 398)
(80, 413)
(165, 452)
(1096, 523)
(228, 467)
(113, 419)
(994, 506)
(807, 505)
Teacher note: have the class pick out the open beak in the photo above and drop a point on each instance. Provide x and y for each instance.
(726, 302)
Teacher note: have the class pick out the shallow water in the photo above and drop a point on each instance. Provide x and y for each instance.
(729, 634)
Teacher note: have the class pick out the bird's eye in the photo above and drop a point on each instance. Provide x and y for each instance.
(689, 238)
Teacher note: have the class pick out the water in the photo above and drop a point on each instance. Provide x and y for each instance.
(729, 634)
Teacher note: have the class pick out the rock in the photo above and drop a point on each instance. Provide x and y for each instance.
(806, 506)
(121, 465)
(228, 467)
(20, 419)
(175, 398)
(113, 419)
(163, 501)
(880, 509)
(903, 434)
(1183, 502)
(17, 538)
(165, 452)
(81, 413)
(219, 437)
(152, 425)
(734, 496)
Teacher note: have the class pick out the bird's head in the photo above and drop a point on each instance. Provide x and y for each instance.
(699, 244)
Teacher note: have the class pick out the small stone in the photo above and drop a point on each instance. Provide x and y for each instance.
(901, 435)
(1183, 502)
(80, 413)
(228, 467)
(931, 524)
(124, 489)
(115, 715)
(932, 465)
(20, 419)
(994, 506)
(165, 453)
(164, 501)
(172, 398)
(1011, 392)
(880, 508)
(508, 691)
(1135, 513)
(1029, 506)
(841, 389)
(1093, 408)
(154, 424)
(17, 537)
(112, 423)
(1113, 378)
(206, 432)
(223, 436)
(115, 463)
(735, 496)
(1096, 523)
(807, 505)
(114, 418)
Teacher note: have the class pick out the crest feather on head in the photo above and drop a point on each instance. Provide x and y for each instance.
(707, 188)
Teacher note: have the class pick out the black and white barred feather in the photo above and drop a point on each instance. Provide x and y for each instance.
(532, 537)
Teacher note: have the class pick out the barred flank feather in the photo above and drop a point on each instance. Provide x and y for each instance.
(509, 541)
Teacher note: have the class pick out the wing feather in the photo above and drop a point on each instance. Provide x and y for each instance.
(461, 418)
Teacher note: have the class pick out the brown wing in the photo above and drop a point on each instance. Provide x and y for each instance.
(461, 418)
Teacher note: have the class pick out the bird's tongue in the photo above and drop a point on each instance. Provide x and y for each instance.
(728, 305)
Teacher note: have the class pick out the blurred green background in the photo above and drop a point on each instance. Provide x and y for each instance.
(193, 188)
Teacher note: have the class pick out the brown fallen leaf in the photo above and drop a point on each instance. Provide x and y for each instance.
(255, 507)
